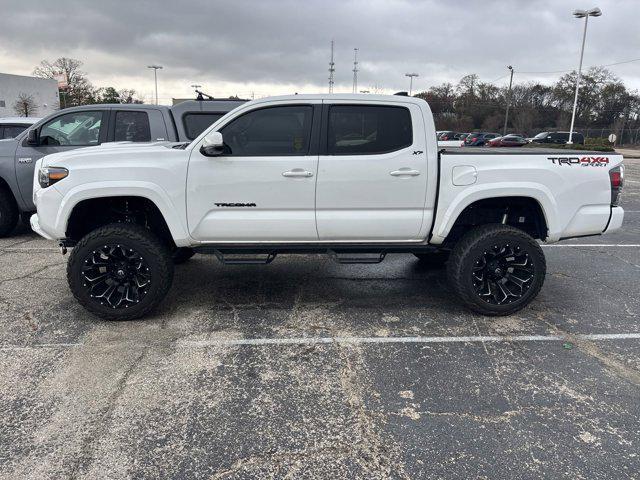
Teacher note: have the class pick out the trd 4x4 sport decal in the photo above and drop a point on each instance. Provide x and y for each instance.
(584, 161)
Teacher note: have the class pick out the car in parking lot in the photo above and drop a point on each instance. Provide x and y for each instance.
(558, 137)
(91, 125)
(479, 139)
(11, 127)
(341, 174)
(508, 141)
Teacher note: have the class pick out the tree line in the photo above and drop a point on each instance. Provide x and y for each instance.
(79, 90)
(604, 102)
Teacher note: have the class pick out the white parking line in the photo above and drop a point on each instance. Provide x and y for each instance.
(224, 342)
(636, 245)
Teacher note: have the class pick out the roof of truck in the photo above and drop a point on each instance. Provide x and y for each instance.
(19, 120)
(344, 96)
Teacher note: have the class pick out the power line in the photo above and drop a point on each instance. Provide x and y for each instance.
(592, 66)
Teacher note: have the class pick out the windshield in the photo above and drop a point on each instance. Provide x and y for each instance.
(541, 135)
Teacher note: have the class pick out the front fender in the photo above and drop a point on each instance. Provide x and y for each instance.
(151, 191)
(459, 198)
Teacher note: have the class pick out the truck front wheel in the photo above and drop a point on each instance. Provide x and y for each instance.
(496, 269)
(120, 271)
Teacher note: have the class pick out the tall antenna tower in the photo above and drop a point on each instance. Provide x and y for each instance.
(355, 70)
(331, 70)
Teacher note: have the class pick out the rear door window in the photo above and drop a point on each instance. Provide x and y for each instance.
(195, 123)
(368, 129)
(132, 126)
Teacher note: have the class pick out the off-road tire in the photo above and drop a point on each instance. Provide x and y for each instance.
(472, 245)
(8, 212)
(434, 259)
(155, 254)
(182, 254)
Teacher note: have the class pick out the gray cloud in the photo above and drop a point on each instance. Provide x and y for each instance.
(285, 42)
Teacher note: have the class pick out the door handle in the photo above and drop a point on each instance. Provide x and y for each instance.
(297, 172)
(405, 171)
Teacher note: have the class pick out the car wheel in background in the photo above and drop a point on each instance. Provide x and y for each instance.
(8, 212)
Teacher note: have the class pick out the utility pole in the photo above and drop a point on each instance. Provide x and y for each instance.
(594, 12)
(155, 76)
(331, 70)
(355, 71)
(506, 115)
(411, 75)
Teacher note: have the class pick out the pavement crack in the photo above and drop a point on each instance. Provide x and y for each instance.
(381, 457)
(87, 451)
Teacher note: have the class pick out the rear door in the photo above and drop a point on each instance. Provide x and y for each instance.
(372, 172)
(262, 189)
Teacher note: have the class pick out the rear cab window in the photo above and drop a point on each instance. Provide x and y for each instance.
(197, 122)
(368, 129)
(132, 126)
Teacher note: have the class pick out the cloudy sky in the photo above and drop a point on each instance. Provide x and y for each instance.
(282, 46)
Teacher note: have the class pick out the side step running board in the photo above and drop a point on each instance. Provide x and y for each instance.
(240, 259)
(350, 258)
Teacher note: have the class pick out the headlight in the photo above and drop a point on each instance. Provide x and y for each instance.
(47, 176)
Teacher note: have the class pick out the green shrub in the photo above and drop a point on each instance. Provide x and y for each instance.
(599, 141)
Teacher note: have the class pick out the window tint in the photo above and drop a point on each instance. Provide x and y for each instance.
(196, 123)
(12, 131)
(269, 132)
(366, 130)
(132, 126)
(75, 129)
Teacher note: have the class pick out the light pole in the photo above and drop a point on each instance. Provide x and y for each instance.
(411, 75)
(594, 12)
(155, 76)
(506, 115)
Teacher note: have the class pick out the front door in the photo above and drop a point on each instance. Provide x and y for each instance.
(262, 189)
(372, 178)
(67, 131)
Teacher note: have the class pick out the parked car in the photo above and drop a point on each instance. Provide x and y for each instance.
(448, 135)
(131, 211)
(11, 127)
(460, 136)
(508, 141)
(479, 139)
(558, 137)
(91, 125)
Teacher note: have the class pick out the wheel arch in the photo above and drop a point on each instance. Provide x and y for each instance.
(77, 204)
(527, 213)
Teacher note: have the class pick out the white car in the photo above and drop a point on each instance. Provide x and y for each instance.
(11, 127)
(356, 176)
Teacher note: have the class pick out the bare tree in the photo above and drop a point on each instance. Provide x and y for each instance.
(25, 105)
(79, 91)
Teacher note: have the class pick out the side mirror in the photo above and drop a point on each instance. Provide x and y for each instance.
(212, 145)
(32, 137)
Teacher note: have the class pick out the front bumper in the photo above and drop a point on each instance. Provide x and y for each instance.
(35, 226)
(615, 221)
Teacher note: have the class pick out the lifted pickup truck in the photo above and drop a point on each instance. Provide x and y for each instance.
(77, 127)
(356, 176)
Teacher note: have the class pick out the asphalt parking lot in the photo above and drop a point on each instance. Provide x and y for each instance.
(309, 369)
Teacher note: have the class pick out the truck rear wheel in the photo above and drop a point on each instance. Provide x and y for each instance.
(120, 271)
(496, 269)
(8, 212)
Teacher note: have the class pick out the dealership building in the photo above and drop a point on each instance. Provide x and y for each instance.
(43, 92)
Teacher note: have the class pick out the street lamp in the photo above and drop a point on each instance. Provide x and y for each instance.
(594, 12)
(155, 76)
(506, 115)
(411, 75)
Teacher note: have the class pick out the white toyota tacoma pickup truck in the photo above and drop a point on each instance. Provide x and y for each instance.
(356, 176)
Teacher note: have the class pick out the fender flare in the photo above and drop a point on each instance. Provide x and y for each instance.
(446, 218)
(150, 191)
